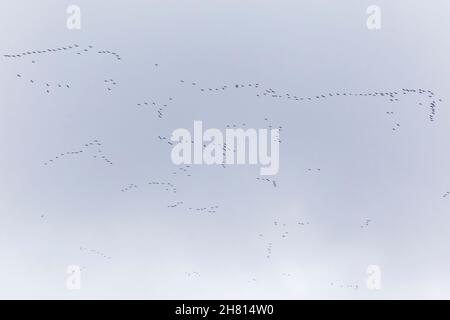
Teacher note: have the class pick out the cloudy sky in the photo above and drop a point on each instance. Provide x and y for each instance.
(351, 191)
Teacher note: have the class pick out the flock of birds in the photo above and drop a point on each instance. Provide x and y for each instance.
(166, 186)
(272, 181)
(170, 187)
(111, 53)
(183, 170)
(131, 186)
(269, 250)
(109, 84)
(203, 209)
(365, 224)
(281, 233)
(390, 96)
(46, 86)
(211, 209)
(74, 49)
(192, 274)
(93, 146)
(345, 286)
(45, 51)
(221, 87)
(175, 205)
(224, 146)
(159, 108)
